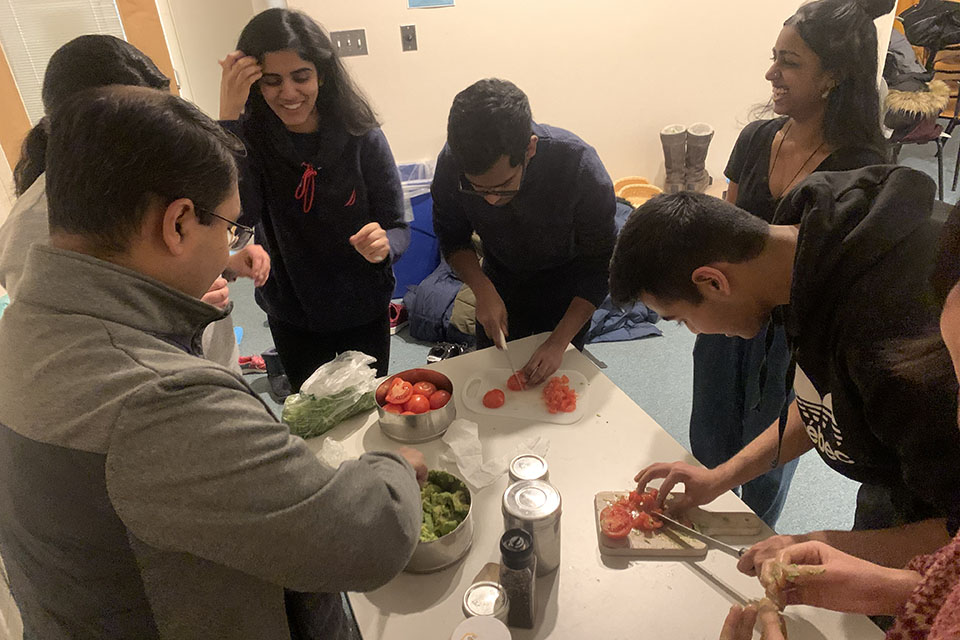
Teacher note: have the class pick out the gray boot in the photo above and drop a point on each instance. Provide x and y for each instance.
(673, 137)
(695, 176)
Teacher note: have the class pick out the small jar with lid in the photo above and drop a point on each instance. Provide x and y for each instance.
(486, 599)
(528, 466)
(518, 569)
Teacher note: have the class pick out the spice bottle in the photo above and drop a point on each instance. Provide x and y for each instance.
(518, 567)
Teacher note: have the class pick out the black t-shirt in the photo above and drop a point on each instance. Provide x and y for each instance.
(750, 162)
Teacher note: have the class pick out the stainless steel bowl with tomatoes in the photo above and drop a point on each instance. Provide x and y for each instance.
(415, 405)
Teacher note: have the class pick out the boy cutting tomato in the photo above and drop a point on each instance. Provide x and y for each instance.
(543, 206)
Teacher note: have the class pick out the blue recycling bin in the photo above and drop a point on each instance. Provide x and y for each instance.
(423, 254)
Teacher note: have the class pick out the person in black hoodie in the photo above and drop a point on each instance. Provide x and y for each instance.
(823, 77)
(845, 268)
(321, 185)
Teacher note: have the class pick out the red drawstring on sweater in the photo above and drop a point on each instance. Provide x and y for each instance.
(305, 188)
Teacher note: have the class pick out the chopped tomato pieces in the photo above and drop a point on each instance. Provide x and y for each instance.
(558, 395)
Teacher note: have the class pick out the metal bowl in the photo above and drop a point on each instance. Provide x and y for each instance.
(423, 426)
(446, 550)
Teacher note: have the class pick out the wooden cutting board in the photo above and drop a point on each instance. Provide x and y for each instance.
(667, 542)
(522, 405)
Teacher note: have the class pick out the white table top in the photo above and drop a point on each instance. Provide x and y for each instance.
(590, 596)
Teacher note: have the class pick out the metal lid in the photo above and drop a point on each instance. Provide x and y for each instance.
(481, 628)
(531, 500)
(484, 599)
(528, 466)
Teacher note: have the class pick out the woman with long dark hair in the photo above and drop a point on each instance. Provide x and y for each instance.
(321, 186)
(825, 97)
(83, 63)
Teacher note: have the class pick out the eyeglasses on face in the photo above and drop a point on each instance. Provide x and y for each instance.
(238, 235)
(467, 187)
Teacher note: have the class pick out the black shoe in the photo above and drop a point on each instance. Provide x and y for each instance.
(279, 384)
(444, 350)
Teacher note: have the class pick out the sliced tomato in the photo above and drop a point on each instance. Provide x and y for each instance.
(408, 413)
(517, 382)
(646, 522)
(400, 391)
(424, 388)
(418, 403)
(393, 408)
(439, 399)
(615, 522)
(494, 399)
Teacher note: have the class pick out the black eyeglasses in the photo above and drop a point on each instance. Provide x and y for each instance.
(238, 234)
(467, 187)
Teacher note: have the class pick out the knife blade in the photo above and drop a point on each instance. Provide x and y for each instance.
(722, 546)
(502, 345)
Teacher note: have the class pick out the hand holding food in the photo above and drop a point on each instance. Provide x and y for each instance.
(753, 559)
(816, 574)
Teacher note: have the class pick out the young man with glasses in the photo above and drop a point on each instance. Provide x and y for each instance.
(543, 206)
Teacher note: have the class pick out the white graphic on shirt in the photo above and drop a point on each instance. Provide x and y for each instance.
(817, 414)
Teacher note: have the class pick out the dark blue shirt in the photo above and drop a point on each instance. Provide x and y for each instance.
(318, 281)
(562, 218)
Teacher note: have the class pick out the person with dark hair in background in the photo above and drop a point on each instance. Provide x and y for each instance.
(845, 267)
(543, 206)
(321, 185)
(925, 594)
(824, 79)
(146, 492)
(97, 61)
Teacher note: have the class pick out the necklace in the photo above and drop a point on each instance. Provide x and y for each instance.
(776, 156)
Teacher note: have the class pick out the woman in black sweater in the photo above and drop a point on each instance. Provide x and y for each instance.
(321, 185)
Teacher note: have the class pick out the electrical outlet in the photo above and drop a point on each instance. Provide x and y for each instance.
(350, 43)
(408, 37)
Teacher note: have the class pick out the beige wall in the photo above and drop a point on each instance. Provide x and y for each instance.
(198, 35)
(612, 71)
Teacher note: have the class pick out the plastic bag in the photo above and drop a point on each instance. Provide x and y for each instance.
(337, 390)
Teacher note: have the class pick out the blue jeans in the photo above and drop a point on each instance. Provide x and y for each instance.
(730, 409)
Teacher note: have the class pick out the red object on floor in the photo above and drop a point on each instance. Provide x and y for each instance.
(252, 363)
(398, 317)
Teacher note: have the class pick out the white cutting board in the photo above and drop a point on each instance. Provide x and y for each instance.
(522, 405)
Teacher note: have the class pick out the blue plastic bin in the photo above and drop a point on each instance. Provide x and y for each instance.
(423, 254)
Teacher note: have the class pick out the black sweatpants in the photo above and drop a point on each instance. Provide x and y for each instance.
(302, 351)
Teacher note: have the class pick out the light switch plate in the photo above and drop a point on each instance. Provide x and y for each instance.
(408, 37)
(350, 43)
